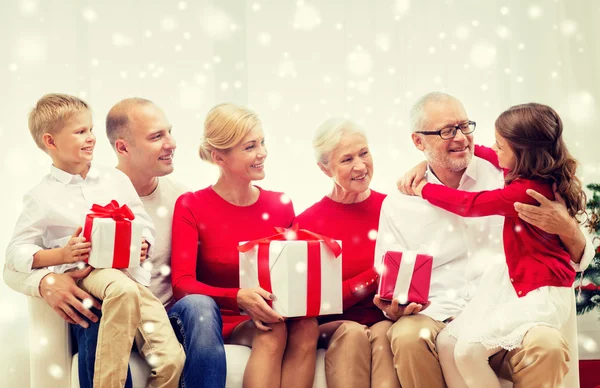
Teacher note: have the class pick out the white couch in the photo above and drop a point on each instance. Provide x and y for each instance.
(53, 365)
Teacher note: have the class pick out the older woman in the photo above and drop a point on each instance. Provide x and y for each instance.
(208, 225)
(358, 351)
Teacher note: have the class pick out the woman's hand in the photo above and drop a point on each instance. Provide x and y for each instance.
(411, 179)
(252, 302)
(419, 188)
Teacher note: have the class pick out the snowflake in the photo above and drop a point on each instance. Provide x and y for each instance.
(425, 333)
(300, 267)
(568, 27)
(148, 327)
(182, 5)
(482, 55)
(503, 32)
(462, 32)
(265, 216)
(165, 270)
(162, 211)
(147, 265)
(504, 10)
(89, 14)
(28, 7)
(256, 7)
(534, 12)
(168, 23)
(121, 40)
(13, 67)
(56, 371)
(284, 199)
(382, 41)
(264, 38)
(43, 341)
(31, 50)
(217, 23)
(359, 62)
(581, 107)
(401, 7)
(152, 360)
(306, 17)
(88, 303)
(325, 306)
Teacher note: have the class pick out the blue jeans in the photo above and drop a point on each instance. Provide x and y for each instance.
(196, 320)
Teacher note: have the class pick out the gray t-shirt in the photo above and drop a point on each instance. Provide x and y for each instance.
(160, 205)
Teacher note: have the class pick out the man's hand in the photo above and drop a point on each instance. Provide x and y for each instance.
(67, 299)
(144, 251)
(394, 311)
(551, 216)
(411, 179)
(77, 249)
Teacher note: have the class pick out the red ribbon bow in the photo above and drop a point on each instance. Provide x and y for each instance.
(123, 217)
(313, 289)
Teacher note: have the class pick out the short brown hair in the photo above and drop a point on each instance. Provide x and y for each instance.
(50, 114)
(534, 134)
(117, 120)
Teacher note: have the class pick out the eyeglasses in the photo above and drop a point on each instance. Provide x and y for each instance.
(450, 131)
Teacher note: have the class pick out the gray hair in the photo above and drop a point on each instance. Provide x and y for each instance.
(329, 134)
(416, 116)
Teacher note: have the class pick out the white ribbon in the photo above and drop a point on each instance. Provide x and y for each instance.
(405, 273)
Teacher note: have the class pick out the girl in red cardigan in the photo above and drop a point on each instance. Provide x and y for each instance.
(533, 285)
(207, 227)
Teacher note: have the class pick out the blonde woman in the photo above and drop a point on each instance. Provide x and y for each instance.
(208, 225)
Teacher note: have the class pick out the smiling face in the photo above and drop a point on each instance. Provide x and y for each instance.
(506, 156)
(72, 148)
(350, 163)
(246, 159)
(453, 154)
(152, 146)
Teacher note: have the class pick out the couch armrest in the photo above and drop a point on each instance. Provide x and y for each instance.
(50, 343)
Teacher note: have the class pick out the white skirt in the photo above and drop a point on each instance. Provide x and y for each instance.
(497, 317)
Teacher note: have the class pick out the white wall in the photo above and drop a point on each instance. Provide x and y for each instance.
(296, 63)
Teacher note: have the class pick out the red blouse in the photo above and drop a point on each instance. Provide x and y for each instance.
(206, 233)
(356, 226)
(535, 258)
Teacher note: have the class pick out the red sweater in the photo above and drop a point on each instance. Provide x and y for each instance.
(206, 233)
(535, 258)
(355, 225)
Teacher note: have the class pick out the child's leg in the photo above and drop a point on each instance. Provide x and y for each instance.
(120, 318)
(298, 369)
(264, 366)
(445, 346)
(472, 360)
(158, 343)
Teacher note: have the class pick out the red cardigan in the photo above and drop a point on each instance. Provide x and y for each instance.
(206, 233)
(356, 226)
(535, 258)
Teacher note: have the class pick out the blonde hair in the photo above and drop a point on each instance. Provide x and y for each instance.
(329, 134)
(50, 114)
(224, 127)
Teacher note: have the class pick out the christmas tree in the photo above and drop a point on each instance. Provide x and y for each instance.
(588, 290)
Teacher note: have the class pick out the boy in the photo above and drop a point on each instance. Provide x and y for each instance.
(47, 234)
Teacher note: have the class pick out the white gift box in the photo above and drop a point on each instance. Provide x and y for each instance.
(288, 269)
(103, 235)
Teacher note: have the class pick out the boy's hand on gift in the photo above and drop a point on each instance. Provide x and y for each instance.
(394, 311)
(77, 249)
(69, 301)
(144, 251)
(411, 179)
(252, 302)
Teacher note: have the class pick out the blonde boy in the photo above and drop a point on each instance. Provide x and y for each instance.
(48, 234)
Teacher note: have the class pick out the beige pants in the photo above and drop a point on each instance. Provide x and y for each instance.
(358, 356)
(130, 311)
(542, 359)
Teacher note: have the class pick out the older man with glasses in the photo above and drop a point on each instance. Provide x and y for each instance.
(462, 248)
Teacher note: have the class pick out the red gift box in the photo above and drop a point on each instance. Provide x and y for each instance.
(115, 236)
(405, 276)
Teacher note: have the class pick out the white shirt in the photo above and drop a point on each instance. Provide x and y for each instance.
(160, 205)
(54, 208)
(462, 248)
